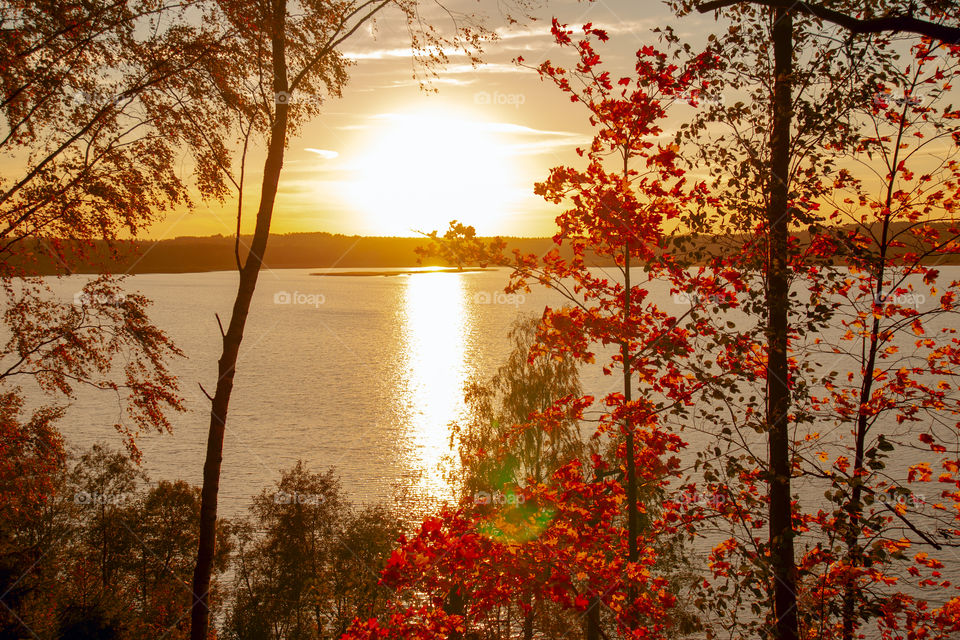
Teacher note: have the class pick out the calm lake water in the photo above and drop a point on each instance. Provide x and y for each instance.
(361, 373)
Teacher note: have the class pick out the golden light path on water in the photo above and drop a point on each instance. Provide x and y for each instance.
(437, 323)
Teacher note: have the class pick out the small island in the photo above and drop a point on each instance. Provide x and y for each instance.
(400, 272)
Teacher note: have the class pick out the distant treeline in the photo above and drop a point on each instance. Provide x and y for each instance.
(319, 250)
(216, 253)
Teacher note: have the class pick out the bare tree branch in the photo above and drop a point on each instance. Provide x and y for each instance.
(905, 23)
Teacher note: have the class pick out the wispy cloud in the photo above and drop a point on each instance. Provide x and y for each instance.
(516, 139)
(489, 67)
(411, 82)
(323, 153)
(543, 31)
(401, 52)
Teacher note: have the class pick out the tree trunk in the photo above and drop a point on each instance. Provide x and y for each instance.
(200, 613)
(456, 605)
(633, 515)
(855, 507)
(528, 616)
(778, 388)
(593, 620)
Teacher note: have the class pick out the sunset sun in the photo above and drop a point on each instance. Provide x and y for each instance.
(419, 171)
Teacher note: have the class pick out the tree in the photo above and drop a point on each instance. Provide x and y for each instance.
(497, 453)
(458, 246)
(823, 127)
(899, 371)
(32, 463)
(290, 50)
(621, 213)
(898, 21)
(788, 198)
(100, 552)
(88, 115)
(92, 141)
(284, 575)
(166, 529)
(595, 556)
(91, 150)
(126, 560)
(307, 562)
(363, 546)
(524, 386)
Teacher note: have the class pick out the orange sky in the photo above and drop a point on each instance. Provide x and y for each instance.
(389, 159)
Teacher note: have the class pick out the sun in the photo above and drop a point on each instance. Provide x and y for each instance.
(421, 170)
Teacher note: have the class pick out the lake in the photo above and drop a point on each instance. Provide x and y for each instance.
(360, 373)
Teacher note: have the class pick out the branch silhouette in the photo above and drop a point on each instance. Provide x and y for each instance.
(906, 23)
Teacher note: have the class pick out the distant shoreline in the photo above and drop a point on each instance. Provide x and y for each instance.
(385, 256)
(400, 272)
(314, 251)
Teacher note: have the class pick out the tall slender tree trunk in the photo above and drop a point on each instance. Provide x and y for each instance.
(633, 515)
(200, 613)
(855, 506)
(593, 620)
(528, 616)
(778, 387)
(456, 605)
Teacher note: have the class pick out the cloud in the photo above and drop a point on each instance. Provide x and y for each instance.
(619, 26)
(487, 67)
(402, 52)
(539, 147)
(515, 139)
(323, 153)
(456, 82)
(519, 129)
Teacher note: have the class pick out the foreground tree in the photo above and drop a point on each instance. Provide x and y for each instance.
(109, 555)
(503, 446)
(808, 106)
(91, 142)
(290, 60)
(779, 168)
(765, 575)
(91, 124)
(31, 465)
(307, 561)
(586, 526)
(92, 138)
(896, 400)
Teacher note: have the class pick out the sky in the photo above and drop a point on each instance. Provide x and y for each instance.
(391, 159)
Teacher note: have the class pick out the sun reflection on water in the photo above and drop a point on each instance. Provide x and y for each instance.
(437, 323)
